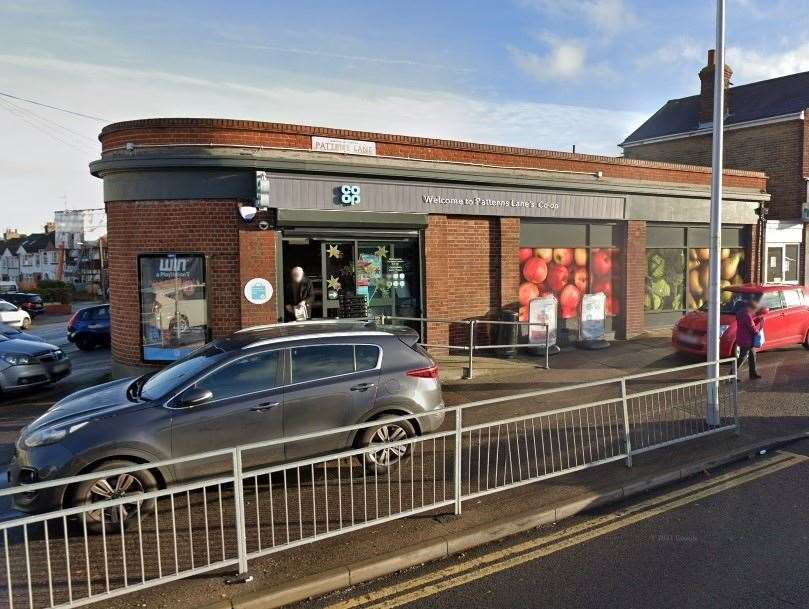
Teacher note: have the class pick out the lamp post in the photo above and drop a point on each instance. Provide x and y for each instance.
(712, 414)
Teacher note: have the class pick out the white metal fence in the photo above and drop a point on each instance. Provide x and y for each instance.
(58, 559)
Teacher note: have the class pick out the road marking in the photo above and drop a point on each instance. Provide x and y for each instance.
(494, 562)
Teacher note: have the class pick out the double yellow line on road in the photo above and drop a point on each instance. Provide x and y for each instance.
(470, 570)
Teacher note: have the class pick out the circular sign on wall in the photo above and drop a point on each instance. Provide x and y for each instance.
(258, 291)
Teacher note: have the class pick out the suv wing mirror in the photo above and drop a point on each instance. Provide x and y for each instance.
(195, 396)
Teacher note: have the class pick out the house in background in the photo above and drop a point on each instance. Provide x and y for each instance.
(81, 243)
(765, 130)
(9, 261)
(37, 259)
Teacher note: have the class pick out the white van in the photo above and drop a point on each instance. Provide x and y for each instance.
(8, 286)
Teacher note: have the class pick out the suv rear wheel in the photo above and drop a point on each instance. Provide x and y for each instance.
(114, 487)
(383, 460)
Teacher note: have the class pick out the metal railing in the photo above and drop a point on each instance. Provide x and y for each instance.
(472, 346)
(79, 555)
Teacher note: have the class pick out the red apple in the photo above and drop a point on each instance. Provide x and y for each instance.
(580, 256)
(580, 277)
(602, 262)
(525, 254)
(563, 256)
(602, 285)
(545, 253)
(557, 277)
(528, 291)
(613, 306)
(524, 313)
(569, 300)
(535, 270)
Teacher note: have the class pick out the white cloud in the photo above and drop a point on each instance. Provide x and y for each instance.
(607, 16)
(681, 49)
(750, 65)
(118, 93)
(564, 61)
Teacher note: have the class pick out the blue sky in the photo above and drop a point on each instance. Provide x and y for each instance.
(538, 73)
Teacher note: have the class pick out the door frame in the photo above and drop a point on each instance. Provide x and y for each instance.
(782, 247)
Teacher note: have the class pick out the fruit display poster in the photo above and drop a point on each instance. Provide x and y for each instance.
(593, 314)
(542, 311)
(568, 273)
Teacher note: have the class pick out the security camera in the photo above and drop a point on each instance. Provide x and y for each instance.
(264, 225)
(247, 212)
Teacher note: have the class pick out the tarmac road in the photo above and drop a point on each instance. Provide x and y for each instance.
(736, 539)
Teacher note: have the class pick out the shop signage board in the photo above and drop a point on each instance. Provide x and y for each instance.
(290, 192)
(258, 291)
(542, 311)
(333, 144)
(593, 316)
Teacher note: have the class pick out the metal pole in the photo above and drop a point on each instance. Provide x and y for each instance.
(471, 348)
(238, 493)
(457, 481)
(627, 439)
(547, 347)
(712, 414)
(738, 428)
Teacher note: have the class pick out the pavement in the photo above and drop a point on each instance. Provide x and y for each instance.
(772, 407)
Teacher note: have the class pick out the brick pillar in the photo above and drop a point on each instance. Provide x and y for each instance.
(509, 262)
(754, 256)
(436, 280)
(634, 278)
(257, 259)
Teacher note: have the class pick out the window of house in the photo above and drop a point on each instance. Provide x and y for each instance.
(173, 305)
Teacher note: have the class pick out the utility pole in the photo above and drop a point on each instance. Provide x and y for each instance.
(712, 414)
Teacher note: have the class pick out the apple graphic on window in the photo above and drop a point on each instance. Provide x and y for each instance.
(563, 256)
(580, 277)
(602, 262)
(525, 254)
(557, 277)
(569, 300)
(535, 270)
(528, 291)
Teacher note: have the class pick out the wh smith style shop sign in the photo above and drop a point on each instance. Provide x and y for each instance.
(323, 193)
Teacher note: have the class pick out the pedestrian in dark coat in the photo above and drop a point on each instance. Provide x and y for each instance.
(749, 322)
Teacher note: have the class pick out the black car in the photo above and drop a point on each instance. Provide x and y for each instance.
(32, 303)
(258, 384)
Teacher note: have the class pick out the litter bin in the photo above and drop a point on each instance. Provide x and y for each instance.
(507, 334)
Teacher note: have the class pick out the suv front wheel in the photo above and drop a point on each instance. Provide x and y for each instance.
(381, 461)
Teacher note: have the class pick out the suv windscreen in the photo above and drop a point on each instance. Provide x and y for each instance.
(180, 371)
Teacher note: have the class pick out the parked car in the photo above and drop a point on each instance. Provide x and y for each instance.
(30, 303)
(25, 364)
(258, 384)
(90, 327)
(9, 332)
(8, 286)
(786, 320)
(14, 316)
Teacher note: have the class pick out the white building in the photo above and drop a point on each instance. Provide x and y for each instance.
(80, 242)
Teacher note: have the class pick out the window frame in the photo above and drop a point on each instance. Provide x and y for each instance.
(288, 382)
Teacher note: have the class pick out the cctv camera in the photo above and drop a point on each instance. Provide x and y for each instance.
(264, 225)
(247, 212)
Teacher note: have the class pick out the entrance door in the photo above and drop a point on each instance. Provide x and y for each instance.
(782, 263)
(387, 275)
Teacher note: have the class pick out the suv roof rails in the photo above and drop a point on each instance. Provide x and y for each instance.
(367, 321)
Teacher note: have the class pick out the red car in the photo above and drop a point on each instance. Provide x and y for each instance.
(786, 320)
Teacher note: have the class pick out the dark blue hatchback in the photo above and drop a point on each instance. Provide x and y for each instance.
(90, 327)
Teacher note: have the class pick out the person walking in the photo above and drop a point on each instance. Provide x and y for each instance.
(749, 322)
(299, 295)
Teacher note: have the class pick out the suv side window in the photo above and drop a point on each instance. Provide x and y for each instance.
(772, 300)
(792, 298)
(249, 374)
(366, 357)
(322, 361)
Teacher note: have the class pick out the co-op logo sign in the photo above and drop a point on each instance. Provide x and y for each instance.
(348, 195)
(488, 202)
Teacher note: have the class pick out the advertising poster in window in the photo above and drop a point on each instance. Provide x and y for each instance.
(173, 304)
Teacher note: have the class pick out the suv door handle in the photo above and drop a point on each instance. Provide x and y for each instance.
(362, 387)
(264, 406)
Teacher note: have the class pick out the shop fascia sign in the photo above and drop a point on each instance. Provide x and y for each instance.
(488, 202)
(333, 144)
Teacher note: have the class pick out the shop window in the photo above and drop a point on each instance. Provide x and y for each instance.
(665, 279)
(568, 273)
(731, 271)
(173, 305)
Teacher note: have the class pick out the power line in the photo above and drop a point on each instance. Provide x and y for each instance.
(36, 103)
(49, 132)
(44, 119)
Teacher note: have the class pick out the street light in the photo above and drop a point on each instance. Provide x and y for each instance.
(712, 414)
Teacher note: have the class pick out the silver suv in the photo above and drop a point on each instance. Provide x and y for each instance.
(256, 385)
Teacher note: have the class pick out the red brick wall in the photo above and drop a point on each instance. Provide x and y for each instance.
(257, 259)
(635, 278)
(471, 272)
(277, 135)
(199, 226)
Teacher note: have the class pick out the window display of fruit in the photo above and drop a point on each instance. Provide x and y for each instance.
(568, 273)
(731, 272)
(665, 269)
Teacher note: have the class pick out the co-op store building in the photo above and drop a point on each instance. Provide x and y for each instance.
(417, 227)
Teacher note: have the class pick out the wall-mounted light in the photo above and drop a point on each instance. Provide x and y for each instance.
(247, 212)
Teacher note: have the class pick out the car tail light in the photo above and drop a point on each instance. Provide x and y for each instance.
(425, 373)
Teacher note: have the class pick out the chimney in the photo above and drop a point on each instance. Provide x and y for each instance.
(706, 77)
(50, 227)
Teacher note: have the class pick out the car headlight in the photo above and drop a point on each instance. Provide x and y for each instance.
(43, 437)
(17, 359)
(723, 329)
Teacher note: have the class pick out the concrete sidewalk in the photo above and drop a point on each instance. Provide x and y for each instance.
(771, 409)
